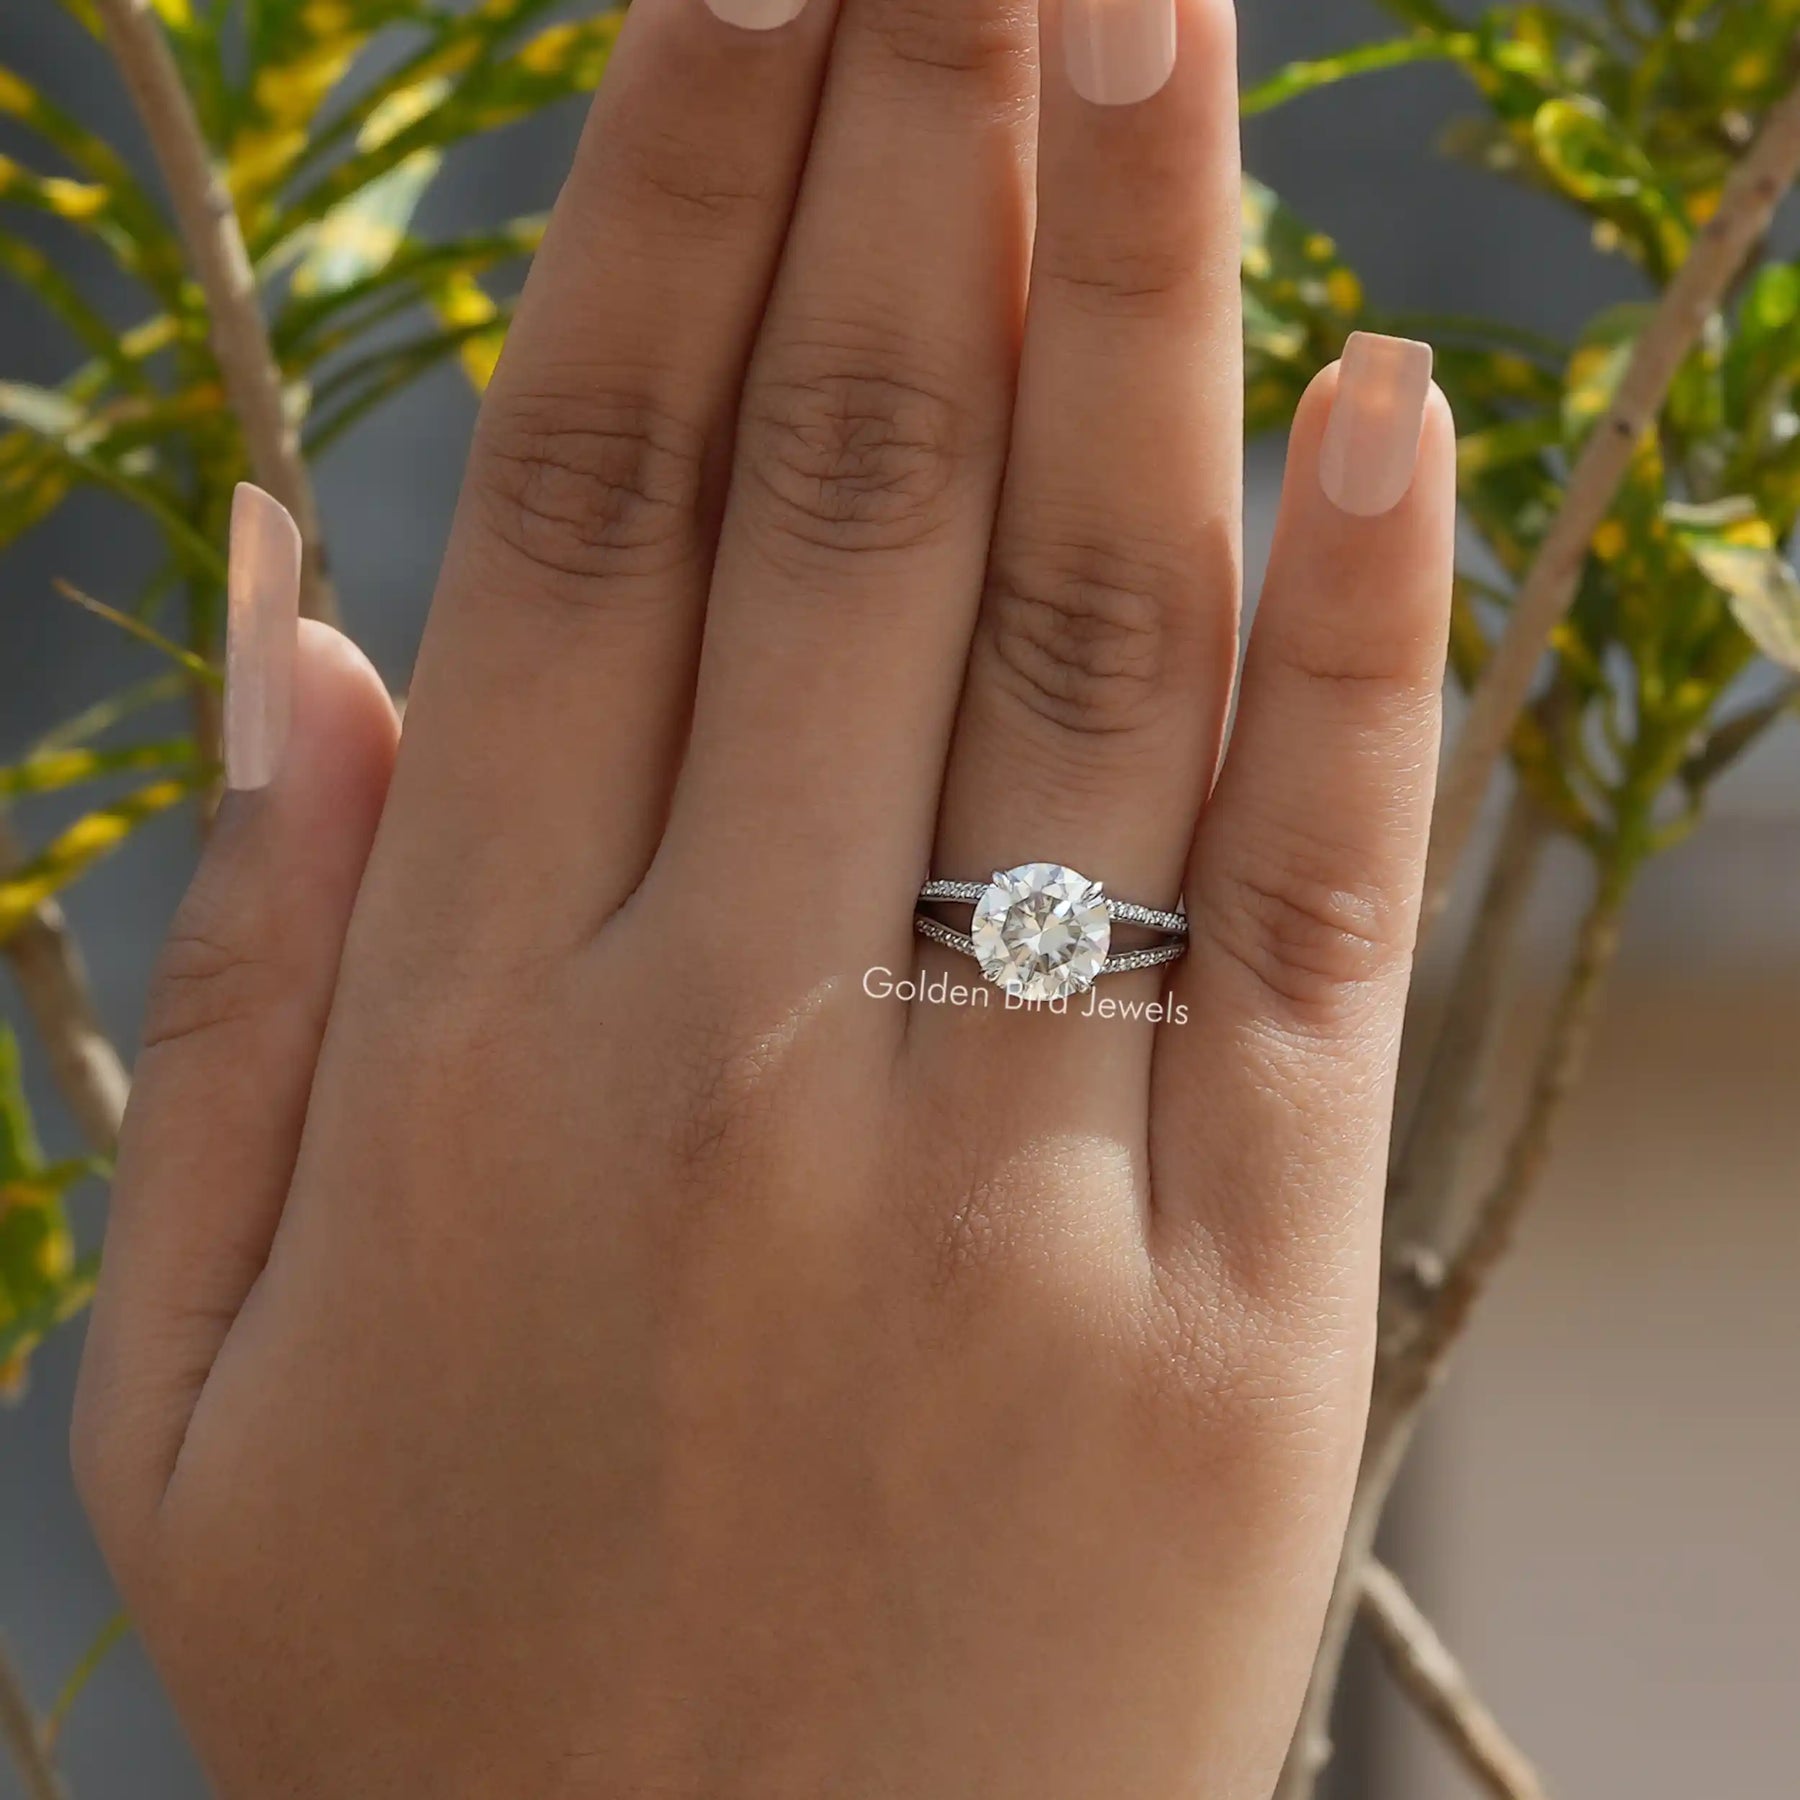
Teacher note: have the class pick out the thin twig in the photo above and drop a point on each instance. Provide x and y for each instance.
(1425, 1182)
(19, 1733)
(221, 265)
(1417, 1341)
(47, 964)
(1415, 1368)
(1432, 1677)
(1746, 210)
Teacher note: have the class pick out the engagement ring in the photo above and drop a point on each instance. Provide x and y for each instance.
(1042, 932)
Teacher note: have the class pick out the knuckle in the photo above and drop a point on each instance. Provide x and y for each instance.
(1147, 260)
(854, 452)
(208, 980)
(677, 174)
(1086, 638)
(1316, 946)
(590, 489)
(1364, 654)
(730, 1082)
(947, 37)
(1123, 278)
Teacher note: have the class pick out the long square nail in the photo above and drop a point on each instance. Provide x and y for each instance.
(1370, 450)
(1119, 52)
(261, 629)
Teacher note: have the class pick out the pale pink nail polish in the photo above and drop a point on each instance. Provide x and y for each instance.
(1371, 445)
(758, 15)
(1119, 52)
(261, 629)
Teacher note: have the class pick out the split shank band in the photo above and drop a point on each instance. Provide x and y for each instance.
(1043, 932)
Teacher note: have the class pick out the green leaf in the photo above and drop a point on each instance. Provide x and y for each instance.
(1728, 743)
(183, 658)
(1300, 78)
(356, 241)
(52, 771)
(1301, 301)
(32, 269)
(96, 720)
(81, 443)
(41, 1283)
(1762, 362)
(89, 155)
(457, 44)
(102, 213)
(113, 1633)
(73, 852)
(1588, 155)
(355, 390)
(314, 326)
(20, 1157)
(1481, 453)
(561, 62)
(54, 1284)
(299, 51)
(1742, 561)
(1597, 367)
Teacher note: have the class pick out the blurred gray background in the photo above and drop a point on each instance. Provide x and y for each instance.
(1604, 1516)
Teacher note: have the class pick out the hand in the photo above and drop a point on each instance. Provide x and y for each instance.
(561, 1336)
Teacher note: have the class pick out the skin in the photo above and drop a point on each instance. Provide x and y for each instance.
(560, 1336)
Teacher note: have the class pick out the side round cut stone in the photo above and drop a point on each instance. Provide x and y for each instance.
(1042, 932)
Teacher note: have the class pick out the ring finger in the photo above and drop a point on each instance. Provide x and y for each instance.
(1101, 671)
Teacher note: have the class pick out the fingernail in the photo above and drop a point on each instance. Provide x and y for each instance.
(261, 627)
(1371, 444)
(1119, 51)
(758, 15)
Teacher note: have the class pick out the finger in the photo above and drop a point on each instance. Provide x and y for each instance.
(869, 453)
(555, 682)
(1103, 660)
(1304, 887)
(233, 1029)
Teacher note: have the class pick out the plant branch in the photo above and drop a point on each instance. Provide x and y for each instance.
(1425, 1181)
(1414, 1370)
(215, 246)
(1746, 210)
(47, 964)
(19, 1733)
(1422, 1664)
(1423, 1321)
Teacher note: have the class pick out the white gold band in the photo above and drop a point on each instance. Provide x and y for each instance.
(1043, 932)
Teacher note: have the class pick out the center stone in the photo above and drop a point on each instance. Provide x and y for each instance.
(1042, 932)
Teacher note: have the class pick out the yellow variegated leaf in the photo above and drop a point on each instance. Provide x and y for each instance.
(1763, 590)
(58, 194)
(71, 854)
(357, 239)
(51, 771)
(406, 106)
(462, 303)
(41, 1281)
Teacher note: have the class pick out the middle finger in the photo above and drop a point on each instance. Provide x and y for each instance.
(870, 448)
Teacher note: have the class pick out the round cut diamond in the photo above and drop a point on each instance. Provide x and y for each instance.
(1042, 932)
